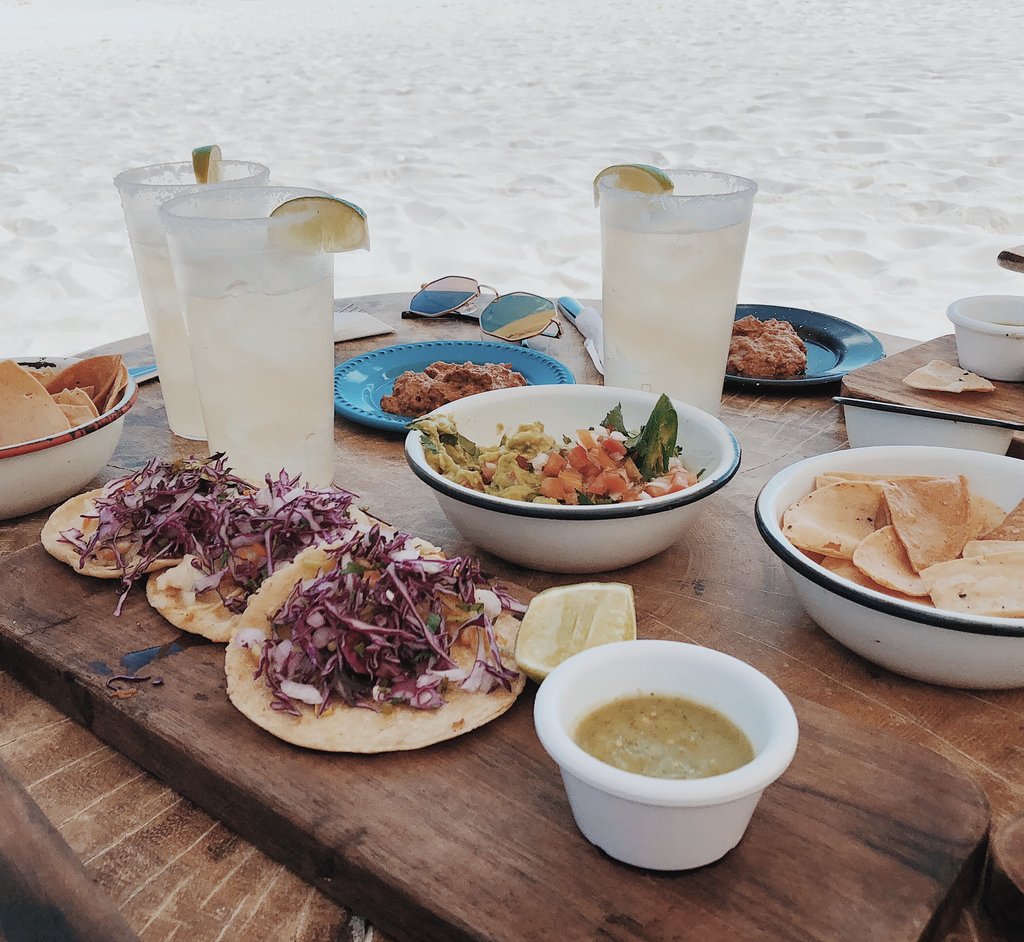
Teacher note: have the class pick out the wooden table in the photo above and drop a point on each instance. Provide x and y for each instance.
(176, 873)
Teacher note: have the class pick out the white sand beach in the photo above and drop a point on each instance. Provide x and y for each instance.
(886, 139)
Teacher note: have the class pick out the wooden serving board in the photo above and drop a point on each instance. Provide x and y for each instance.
(866, 837)
(883, 381)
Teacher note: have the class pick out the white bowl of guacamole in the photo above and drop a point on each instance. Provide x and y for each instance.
(584, 537)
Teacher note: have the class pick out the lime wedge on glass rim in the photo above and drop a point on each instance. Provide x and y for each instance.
(638, 178)
(324, 223)
(206, 163)
(563, 621)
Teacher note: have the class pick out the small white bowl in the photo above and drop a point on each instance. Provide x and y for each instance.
(990, 335)
(556, 538)
(869, 422)
(945, 648)
(42, 472)
(658, 823)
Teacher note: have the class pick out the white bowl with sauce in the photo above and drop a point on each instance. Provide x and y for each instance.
(661, 823)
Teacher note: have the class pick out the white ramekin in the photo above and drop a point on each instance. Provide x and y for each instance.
(664, 824)
(990, 335)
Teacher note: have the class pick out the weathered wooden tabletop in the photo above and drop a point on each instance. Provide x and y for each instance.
(176, 873)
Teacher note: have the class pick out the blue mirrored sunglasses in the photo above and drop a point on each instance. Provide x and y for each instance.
(513, 317)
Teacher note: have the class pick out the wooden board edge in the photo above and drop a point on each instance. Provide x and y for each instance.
(371, 897)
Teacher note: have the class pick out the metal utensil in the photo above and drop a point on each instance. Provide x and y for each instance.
(1012, 259)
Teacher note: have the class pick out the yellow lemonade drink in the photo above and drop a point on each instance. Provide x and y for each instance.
(671, 265)
(142, 192)
(259, 309)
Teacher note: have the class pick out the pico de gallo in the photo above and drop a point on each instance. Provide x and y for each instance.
(602, 464)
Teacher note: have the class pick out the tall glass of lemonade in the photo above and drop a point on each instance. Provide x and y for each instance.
(258, 294)
(142, 191)
(671, 262)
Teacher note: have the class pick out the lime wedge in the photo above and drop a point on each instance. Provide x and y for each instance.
(639, 178)
(323, 222)
(563, 621)
(206, 163)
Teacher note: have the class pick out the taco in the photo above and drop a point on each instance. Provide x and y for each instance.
(145, 521)
(376, 643)
(257, 532)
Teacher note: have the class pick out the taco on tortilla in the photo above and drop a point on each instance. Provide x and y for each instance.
(145, 521)
(257, 532)
(376, 643)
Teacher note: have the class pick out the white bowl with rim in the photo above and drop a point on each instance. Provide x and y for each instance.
(44, 471)
(577, 539)
(939, 647)
(989, 332)
(660, 823)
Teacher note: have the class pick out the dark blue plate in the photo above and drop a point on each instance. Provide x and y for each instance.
(834, 346)
(360, 382)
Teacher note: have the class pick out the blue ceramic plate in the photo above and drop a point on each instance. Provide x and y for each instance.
(360, 382)
(834, 346)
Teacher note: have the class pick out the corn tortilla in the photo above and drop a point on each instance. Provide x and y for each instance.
(205, 614)
(354, 729)
(71, 515)
(832, 520)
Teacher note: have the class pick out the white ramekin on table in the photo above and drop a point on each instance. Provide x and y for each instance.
(990, 335)
(657, 823)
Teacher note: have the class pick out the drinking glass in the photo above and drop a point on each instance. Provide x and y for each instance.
(671, 266)
(259, 310)
(142, 192)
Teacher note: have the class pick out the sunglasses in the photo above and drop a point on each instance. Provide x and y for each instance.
(513, 317)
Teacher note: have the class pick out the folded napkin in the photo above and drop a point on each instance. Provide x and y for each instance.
(588, 322)
(351, 324)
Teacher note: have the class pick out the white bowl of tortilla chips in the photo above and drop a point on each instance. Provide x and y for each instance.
(911, 556)
(60, 421)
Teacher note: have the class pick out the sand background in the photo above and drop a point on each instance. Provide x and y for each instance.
(887, 139)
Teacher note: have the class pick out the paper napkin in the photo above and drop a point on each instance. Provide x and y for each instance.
(353, 324)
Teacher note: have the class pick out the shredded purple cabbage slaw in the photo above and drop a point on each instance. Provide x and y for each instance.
(379, 629)
(237, 533)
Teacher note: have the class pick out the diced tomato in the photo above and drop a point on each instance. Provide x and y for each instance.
(523, 463)
(487, 472)
(554, 464)
(586, 437)
(632, 471)
(602, 459)
(609, 483)
(614, 447)
(656, 488)
(578, 457)
(552, 487)
(573, 480)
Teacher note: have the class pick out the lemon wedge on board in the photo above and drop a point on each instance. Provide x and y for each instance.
(563, 621)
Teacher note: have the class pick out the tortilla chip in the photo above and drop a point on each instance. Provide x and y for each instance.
(42, 373)
(117, 390)
(78, 398)
(845, 569)
(931, 518)
(882, 558)
(984, 547)
(991, 585)
(352, 729)
(26, 410)
(940, 376)
(832, 520)
(99, 372)
(77, 415)
(1012, 527)
(73, 514)
(986, 515)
